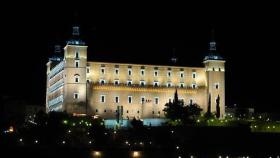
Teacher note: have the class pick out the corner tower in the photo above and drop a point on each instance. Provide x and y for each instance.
(75, 58)
(215, 77)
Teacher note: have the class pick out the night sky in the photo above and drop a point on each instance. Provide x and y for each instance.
(247, 36)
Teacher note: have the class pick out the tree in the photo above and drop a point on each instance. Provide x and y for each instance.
(176, 99)
(218, 107)
(208, 114)
(174, 110)
(178, 113)
(191, 112)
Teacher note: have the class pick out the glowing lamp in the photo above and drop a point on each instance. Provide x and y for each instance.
(65, 122)
(11, 129)
(135, 154)
(96, 154)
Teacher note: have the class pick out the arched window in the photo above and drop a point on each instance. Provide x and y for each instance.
(217, 85)
(129, 82)
(102, 82)
(194, 86)
(77, 78)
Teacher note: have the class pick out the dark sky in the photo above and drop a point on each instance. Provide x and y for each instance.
(247, 36)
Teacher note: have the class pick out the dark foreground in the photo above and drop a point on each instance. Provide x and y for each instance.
(164, 142)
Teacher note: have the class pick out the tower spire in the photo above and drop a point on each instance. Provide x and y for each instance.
(174, 59)
(212, 52)
(57, 49)
(76, 31)
(57, 56)
(212, 43)
(75, 40)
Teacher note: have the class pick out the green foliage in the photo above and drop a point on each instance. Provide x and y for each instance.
(218, 109)
(177, 122)
(174, 110)
(266, 127)
(191, 113)
(209, 115)
(179, 114)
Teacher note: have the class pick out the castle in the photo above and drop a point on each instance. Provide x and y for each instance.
(125, 90)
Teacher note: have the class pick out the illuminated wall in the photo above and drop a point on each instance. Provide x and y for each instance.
(190, 82)
(98, 88)
(75, 57)
(215, 77)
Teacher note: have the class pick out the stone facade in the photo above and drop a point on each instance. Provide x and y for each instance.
(76, 85)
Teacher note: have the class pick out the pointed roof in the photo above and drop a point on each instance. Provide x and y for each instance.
(75, 40)
(212, 52)
(57, 56)
(174, 59)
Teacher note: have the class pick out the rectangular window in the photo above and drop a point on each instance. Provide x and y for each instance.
(88, 69)
(76, 95)
(142, 83)
(142, 72)
(117, 71)
(77, 63)
(102, 70)
(156, 100)
(77, 55)
(129, 72)
(117, 99)
(182, 74)
(102, 98)
(129, 99)
(194, 75)
(142, 100)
